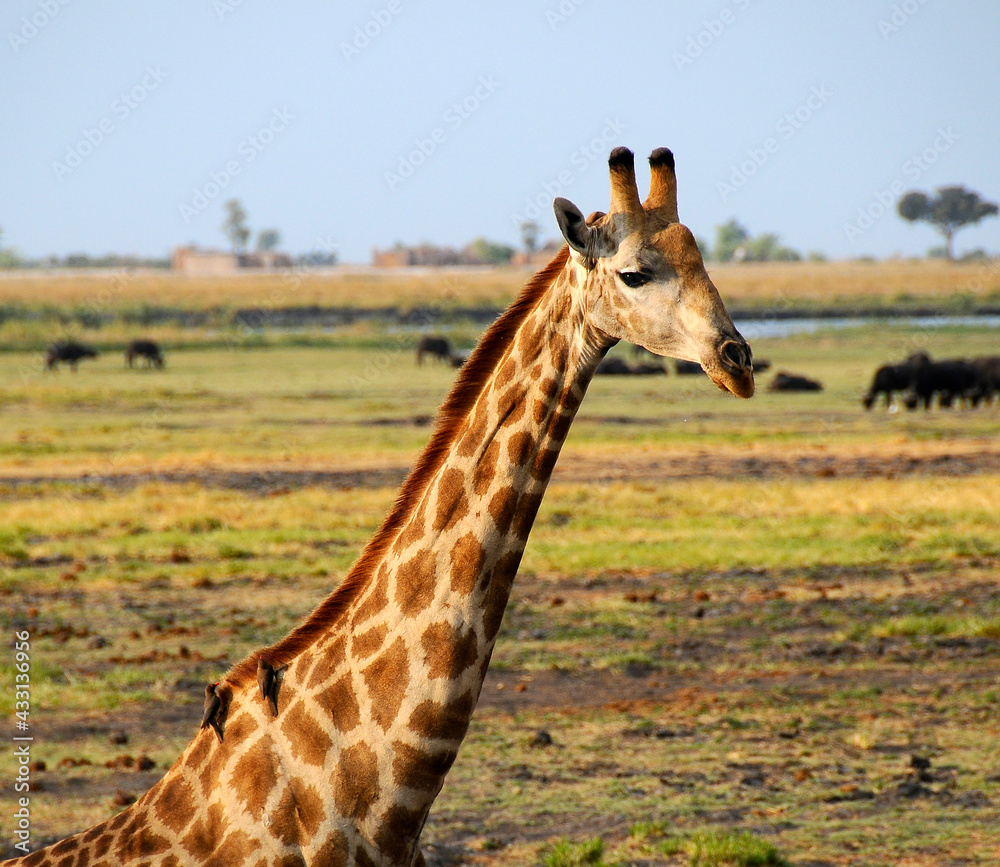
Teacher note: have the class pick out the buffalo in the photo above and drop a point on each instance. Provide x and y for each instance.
(989, 378)
(890, 378)
(438, 347)
(949, 380)
(145, 349)
(69, 351)
(793, 382)
(687, 368)
(613, 366)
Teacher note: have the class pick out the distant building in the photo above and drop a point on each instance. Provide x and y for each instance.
(193, 261)
(423, 254)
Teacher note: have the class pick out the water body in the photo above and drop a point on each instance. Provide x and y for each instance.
(764, 327)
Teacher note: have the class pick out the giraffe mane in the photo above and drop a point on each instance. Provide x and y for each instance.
(471, 380)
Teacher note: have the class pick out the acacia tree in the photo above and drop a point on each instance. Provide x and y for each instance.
(268, 239)
(953, 208)
(529, 236)
(235, 226)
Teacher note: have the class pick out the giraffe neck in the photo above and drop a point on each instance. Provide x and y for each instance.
(457, 553)
(399, 674)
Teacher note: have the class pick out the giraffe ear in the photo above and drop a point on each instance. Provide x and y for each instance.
(589, 241)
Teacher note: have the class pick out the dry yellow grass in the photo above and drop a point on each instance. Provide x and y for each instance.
(779, 282)
(829, 281)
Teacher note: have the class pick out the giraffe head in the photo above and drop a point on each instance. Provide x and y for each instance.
(644, 277)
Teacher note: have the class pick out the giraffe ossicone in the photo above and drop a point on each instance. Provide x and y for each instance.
(379, 683)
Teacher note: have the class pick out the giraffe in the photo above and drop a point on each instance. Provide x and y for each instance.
(329, 747)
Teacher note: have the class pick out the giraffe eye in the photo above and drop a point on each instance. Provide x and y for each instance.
(634, 279)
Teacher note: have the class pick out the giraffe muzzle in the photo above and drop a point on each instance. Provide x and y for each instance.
(735, 364)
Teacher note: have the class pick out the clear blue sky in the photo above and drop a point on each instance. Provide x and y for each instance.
(123, 120)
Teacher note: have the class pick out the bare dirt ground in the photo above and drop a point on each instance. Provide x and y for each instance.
(947, 459)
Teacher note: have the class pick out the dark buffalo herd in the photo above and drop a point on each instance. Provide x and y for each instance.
(72, 352)
(920, 380)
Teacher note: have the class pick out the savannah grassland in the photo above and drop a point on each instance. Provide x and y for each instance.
(739, 623)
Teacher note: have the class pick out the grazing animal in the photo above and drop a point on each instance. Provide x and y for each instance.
(438, 347)
(890, 378)
(989, 379)
(380, 682)
(950, 380)
(69, 351)
(614, 366)
(144, 349)
(793, 382)
(760, 365)
(687, 368)
(458, 359)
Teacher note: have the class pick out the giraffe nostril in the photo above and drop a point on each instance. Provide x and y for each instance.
(735, 354)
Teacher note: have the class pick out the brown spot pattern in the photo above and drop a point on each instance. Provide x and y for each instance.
(485, 469)
(527, 509)
(254, 777)
(355, 782)
(415, 582)
(519, 447)
(367, 643)
(234, 849)
(501, 577)
(451, 501)
(308, 741)
(502, 507)
(447, 652)
(397, 834)
(413, 768)
(341, 704)
(431, 719)
(334, 852)
(298, 815)
(388, 678)
(175, 807)
(374, 602)
(466, 563)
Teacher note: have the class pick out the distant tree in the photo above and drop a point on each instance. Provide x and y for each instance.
(735, 244)
(766, 248)
(235, 226)
(490, 252)
(268, 239)
(705, 247)
(953, 208)
(729, 237)
(529, 236)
